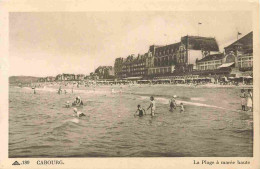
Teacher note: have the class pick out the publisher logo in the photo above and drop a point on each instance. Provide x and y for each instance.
(16, 163)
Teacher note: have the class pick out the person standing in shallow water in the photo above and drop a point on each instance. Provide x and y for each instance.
(140, 111)
(243, 100)
(250, 100)
(173, 103)
(181, 108)
(152, 106)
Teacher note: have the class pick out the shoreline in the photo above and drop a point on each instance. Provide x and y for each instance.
(143, 85)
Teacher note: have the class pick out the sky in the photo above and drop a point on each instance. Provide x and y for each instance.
(50, 43)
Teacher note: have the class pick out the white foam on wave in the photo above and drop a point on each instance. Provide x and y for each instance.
(162, 100)
(42, 89)
(199, 104)
(166, 101)
(198, 98)
(144, 97)
(75, 120)
(47, 89)
(27, 88)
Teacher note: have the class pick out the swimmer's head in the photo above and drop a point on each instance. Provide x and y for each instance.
(138, 106)
(181, 104)
(75, 110)
(151, 98)
(174, 96)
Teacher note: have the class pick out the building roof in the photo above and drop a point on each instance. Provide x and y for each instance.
(246, 41)
(200, 43)
(173, 46)
(212, 57)
(119, 60)
(226, 65)
(131, 59)
(104, 67)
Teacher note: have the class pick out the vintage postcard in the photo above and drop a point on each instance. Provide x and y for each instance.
(131, 84)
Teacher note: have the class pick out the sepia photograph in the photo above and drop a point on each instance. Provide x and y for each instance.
(131, 84)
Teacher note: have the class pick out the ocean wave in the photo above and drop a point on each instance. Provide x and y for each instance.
(198, 99)
(166, 101)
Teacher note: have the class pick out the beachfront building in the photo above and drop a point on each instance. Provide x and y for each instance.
(235, 64)
(50, 79)
(58, 77)
(46, 79)
(68, 77)
(180, 58)
(93, 76)
(87, 77)
(170, 60)
(210, 62)
(213, 65)
(240, 53)
(165, 59)
(127, 66)
(65, 77)
(105, 72)
(42, 79)
(118, 65)
(193, 56)
(136, 67)
(79, 77)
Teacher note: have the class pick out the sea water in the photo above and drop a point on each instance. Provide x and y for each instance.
(211, 125)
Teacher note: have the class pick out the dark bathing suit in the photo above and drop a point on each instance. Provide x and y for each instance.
(141, 113)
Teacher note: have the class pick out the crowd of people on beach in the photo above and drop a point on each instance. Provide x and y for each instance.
(197, 82)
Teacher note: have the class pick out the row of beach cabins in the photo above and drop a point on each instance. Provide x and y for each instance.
(194, 79)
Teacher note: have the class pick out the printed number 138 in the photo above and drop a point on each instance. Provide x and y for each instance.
(25, 162)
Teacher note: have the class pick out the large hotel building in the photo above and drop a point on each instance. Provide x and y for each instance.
(193, 55)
